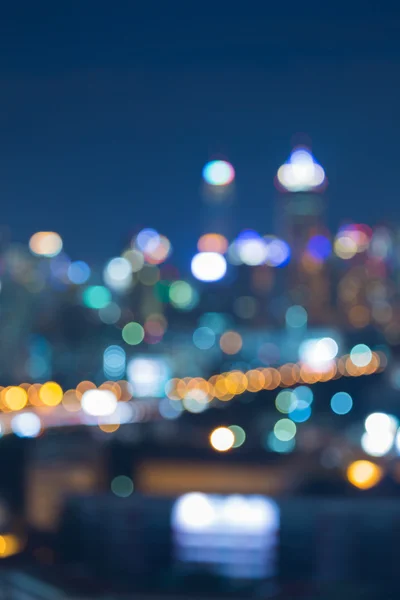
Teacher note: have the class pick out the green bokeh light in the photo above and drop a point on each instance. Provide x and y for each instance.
(133, 333)
(96, 296)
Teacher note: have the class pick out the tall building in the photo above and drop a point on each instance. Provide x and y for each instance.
(300, 213)
(218, 196)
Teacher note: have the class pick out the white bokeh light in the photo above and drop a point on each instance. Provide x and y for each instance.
(26, 425)
(218, 172)
(208, 266)
(318, 353)
(301, 172)
(99, 403)
(118, 274)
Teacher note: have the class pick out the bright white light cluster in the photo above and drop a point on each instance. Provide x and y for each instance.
(252, 249)
(208, 266)
(319, 353)
(301, 173)
(215, 529)
(99, 403)
(118, 274)
(380, 432)
(148, 376)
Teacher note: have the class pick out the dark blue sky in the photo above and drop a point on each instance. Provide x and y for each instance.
(107, 114)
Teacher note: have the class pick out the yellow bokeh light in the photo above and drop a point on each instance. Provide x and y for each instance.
(51, 393)
(109, 427)
(364, 474)
(9, 545)
(345, 247)
(46, 243)
(16, 398)
(222, 439)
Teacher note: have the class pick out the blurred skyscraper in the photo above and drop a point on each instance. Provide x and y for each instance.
(300, 215)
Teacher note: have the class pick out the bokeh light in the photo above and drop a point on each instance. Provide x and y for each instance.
(122, 486)
(204, 338)
(240, 435)
(296, 316)
(96, 296)
(341, 403)
(51, 393)
(361, 355)
(118, 274)
(78, 272)
(182, 295)
(218, 172)
(99, 403)
(364, 474)
(46, 243)
(133, 333)
(208, 266)
(285, 430)
(301, 172)
(222, 439)
(26, 425)
(231, 342)
(212, 242)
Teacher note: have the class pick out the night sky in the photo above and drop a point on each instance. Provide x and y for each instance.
(108, 114)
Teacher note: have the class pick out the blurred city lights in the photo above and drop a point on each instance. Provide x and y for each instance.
(147, 239)
(301, 412)
(318, 353)
(26, 424)
(286, 401)
(231, 342)
(133, 333)
(212, 242)
(148, 376)
(319, 247)
(251, 248)
(110, 314)
(222, 439)
(304, 394)
(122, 486)
(218, 172)
(51, 393)
(377, 444)
(96, 296)
(378, 423)
(118, 274)
(280, 446)
(296, 316)
(182, 295)
(208, 266)
(285, 430)
(361, 355)
(99, 403)
(341, 403)
(204, 338)
(15, 398)
(114, 362)
(278, 252)
(46, 243)
(301, 172)
(78, 272)
(240, 435)
(364, 474)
